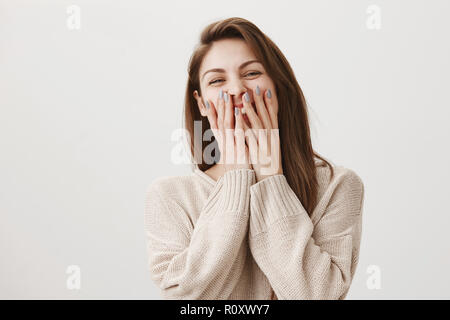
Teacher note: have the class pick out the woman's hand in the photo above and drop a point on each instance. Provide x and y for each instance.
(234, 153)
(263, 137)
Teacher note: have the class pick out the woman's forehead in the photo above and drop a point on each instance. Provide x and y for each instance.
(227, 53)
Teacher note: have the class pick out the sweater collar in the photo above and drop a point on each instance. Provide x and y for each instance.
(204, 176)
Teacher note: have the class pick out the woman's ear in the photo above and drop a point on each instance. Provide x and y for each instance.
(200, 105)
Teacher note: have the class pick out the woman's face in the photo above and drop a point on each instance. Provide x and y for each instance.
(236, 75)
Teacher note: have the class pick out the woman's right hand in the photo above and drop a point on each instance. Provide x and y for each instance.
(228, 129)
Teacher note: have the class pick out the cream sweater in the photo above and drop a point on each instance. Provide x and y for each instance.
(237, 239)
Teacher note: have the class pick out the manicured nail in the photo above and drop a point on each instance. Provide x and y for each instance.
(221, 94)
(225, 95)
(207, 104)
(258, 92)
(236, 111)
(269, 94)
(246, 97)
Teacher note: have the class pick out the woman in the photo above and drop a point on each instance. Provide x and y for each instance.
(238, 227)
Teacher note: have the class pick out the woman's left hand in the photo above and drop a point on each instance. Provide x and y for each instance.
(263, 138)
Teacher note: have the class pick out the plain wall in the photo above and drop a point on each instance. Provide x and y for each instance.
(86, 118)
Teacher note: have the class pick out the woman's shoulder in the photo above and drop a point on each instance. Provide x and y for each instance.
(170, 184)
(180, 197)
(340, 176)
(180, 188)
(342, 190)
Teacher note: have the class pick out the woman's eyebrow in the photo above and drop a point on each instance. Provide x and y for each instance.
(223, 70)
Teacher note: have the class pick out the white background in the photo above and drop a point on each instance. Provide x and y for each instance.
(86, 118)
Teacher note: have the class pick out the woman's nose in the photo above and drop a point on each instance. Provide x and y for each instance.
(236, 92)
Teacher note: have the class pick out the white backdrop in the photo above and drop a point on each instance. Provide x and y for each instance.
(86, 117)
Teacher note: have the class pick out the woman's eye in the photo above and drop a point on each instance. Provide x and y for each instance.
(254, 72)
(250, 73)
(212, 82)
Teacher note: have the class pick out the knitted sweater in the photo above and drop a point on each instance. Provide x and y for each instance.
(238, 239)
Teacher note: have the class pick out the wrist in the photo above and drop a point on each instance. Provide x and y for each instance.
(260, 177)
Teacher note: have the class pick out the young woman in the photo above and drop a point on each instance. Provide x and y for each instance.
(238, 227)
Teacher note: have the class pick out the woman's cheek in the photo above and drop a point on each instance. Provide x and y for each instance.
(213, 95)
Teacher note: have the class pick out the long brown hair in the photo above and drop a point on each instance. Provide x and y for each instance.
(298, 161)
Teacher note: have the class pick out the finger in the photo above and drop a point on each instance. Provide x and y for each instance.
(213, 118)
(252, 142)
(229, 116)
(261, 108)
(272, 108)
(220, 113)
(263, 145)
(250, 112)
(227, 129)
(263, 140)
(250, 133)
(229, 145)
(211, 114)
(240, 136)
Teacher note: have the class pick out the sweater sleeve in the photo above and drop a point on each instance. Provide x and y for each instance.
(205, 261)
(300, 260)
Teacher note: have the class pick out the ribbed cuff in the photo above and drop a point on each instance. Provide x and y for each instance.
(232, 191)
(272, 199)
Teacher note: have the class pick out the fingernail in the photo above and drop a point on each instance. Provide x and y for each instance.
(207, 104)
(225, 95)
(221, 94)
(257, 90)
(246, 97)
(269, 94)
(236, 111)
